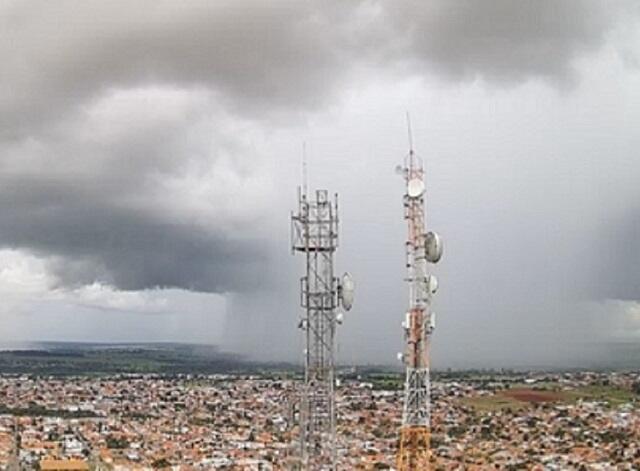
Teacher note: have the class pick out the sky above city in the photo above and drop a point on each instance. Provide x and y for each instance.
(150, 153)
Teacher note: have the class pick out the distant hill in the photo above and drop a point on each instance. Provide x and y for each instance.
(87, 358)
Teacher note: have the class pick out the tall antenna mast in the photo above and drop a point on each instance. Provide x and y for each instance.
(409, 133)
(419, 321)
(304, 168)
(315, 235)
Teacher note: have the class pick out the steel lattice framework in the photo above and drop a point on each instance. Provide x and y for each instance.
(315, 235)
(413, 453)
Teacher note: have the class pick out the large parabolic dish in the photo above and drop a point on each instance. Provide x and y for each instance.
(415, 188)
(347, 291)
(433, 247)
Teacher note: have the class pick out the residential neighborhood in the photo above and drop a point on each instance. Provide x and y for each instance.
(580, 420)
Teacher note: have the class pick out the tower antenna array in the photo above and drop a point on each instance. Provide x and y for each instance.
(421, 248)
(315, 236)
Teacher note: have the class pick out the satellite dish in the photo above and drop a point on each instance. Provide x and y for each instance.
(347, 291)
(415, 188)
(433, 247)
(339, 318)
(432, 284)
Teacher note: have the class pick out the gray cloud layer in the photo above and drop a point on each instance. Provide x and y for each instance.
(502, 41)
(253, 54)
(123, 193)
(263, 57)
(256, 58)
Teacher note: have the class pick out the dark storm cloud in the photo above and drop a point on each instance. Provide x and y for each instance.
(102, 203)
(125, 193)
(100, 200)
(500, 41)
(85, 243)
(87, 239)
(261, 57)
(255, 54)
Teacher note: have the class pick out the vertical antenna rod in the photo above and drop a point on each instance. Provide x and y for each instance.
(409, 133)
(419, 321)
(304, 168)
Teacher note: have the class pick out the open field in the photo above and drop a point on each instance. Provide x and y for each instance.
(611, 395)
(520, 397)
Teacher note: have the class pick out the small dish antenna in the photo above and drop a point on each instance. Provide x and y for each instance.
(432, 322)
(346, 291)
(432, 284)
(415, 188)
(433, 247)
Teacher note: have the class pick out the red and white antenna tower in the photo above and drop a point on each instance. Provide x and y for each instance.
(421, 248)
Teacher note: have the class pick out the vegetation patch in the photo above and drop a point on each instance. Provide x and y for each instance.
(385, 381)
(612, 395)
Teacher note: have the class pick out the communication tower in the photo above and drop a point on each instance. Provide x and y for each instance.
(421, 248)
(315, 235)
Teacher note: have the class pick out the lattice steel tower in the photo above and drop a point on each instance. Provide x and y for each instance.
(419, 322)
(315, 234)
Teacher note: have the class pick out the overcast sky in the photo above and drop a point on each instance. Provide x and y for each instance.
(150, 153)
